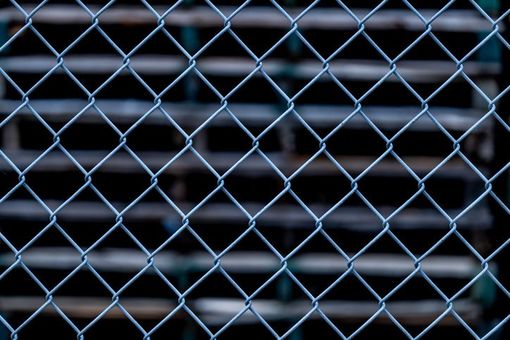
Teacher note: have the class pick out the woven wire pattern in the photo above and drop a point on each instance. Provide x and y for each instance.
(261, 67)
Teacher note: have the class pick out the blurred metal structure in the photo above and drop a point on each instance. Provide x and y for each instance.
(210, 169)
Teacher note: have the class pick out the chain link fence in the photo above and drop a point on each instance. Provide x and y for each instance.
(287, 169)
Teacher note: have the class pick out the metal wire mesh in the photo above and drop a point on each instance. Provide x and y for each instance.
(22, 99)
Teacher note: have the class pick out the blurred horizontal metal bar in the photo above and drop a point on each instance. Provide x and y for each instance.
(194, 114)
(221, 310)
(416, 71)
(282, 215)
(247, 262)
(255, 165)
(256, 17)
(414, 312)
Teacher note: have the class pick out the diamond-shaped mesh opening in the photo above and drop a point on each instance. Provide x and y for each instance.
(373, 187)
(394, 47)
(450, 94)
(327, 189)
(38, 324)
(49, 34)
(484, 26)
(222, 290)
(51, 245)
(114, 319)
(464, 194)
(41, 86)
(337, 299)
(246, 34)
(254, 89)
(261, 188)
(131, 85)
(248, 266)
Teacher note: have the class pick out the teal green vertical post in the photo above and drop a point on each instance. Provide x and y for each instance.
(4, 33)
(491, 50)
(191, 42)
